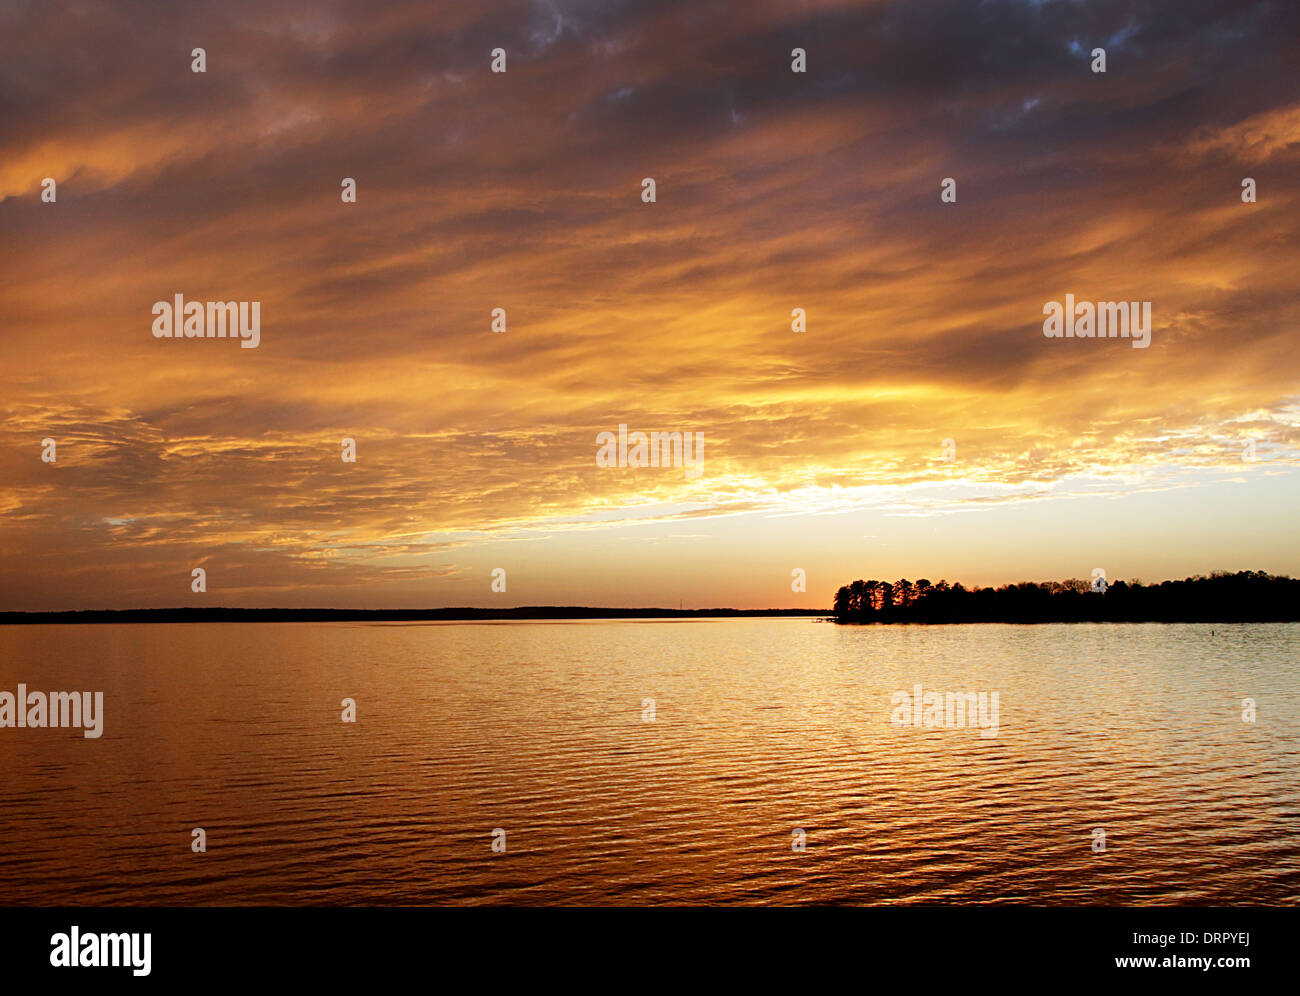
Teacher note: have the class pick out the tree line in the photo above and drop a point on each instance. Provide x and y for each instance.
(1246, 596)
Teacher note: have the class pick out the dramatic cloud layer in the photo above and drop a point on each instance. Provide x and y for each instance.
(522, 190)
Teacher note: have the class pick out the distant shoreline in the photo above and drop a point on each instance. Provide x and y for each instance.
(463, 614)
(537, 613)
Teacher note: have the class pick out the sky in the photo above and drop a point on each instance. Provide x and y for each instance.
(922, 425)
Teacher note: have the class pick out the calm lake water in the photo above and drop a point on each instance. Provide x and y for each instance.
(761, 727)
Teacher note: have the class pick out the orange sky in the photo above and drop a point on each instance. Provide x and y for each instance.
(522, 190)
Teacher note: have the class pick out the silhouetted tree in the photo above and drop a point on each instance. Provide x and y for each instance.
(843, 602)
(855, 589)
(903, 589)
(872, 603)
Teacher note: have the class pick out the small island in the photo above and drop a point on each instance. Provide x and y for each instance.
(1246, 596)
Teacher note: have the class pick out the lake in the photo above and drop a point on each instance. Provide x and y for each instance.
(757, 728)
